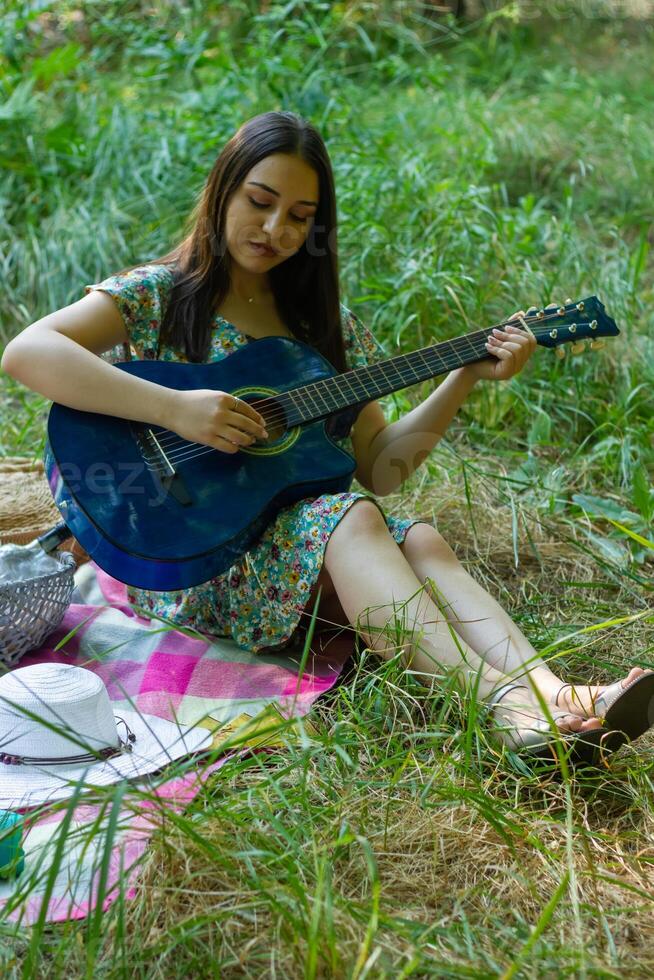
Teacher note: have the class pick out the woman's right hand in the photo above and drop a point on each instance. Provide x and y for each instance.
(208, 417)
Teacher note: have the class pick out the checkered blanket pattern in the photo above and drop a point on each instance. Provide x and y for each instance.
(173, 673)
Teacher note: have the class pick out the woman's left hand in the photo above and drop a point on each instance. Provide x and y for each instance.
(510, 349)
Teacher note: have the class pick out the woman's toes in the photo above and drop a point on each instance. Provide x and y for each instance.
(573, 723)
(633, 675)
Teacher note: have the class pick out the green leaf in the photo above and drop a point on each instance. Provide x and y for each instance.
(642, 493)
(611, 549)
(605, 508)
(60, 63)
(540, 431)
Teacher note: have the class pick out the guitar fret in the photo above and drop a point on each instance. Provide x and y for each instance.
(329, 396)
(425, 361)
(291, 395)
(378, 387)
(392, 367)
(470, 344)
(345, 378)
(320, 394)
(363, 393)
(409, 358)
(442, 362)
(346, 399)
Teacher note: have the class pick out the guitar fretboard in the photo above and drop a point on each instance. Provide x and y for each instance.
(317, 400)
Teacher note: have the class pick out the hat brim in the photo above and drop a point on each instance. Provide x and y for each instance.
(158, 742)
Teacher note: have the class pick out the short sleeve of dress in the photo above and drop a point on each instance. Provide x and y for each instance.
(361, 346)
(141, 295)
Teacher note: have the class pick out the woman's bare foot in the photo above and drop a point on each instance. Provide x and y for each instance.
(579, 699)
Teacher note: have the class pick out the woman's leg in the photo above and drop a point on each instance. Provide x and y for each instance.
(381, 595)
(480, 620)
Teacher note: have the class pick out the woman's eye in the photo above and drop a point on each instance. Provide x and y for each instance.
(256, 204)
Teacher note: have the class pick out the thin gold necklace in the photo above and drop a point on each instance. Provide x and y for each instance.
(250, 299)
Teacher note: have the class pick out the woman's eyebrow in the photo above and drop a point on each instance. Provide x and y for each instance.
(276, 193)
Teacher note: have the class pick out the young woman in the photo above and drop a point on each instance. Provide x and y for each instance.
(259, 260)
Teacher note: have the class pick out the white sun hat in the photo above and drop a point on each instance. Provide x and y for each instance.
(58, 728)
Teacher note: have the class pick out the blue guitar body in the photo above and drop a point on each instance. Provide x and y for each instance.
(110, 480)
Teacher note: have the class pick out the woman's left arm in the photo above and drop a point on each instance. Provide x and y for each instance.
(398, 449)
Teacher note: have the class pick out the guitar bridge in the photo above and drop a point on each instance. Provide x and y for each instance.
(160, 466)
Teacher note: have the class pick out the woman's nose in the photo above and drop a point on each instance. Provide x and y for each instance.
(272, 223)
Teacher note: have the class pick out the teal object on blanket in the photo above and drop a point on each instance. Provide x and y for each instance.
(12, 855)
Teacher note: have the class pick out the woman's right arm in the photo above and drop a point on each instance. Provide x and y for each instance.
(57, 356)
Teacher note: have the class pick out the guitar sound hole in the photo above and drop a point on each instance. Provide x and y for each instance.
(275, 433)
(275, 422)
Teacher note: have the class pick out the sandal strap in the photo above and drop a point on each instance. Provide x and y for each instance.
(594, 701)
(608, 697)
(556, 699)
(494, 698)
(532, 736)
(541, 723)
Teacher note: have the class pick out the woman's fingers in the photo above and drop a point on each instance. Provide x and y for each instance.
(514, 333)
(502, 353)
(513, 339)
(496, 344)
(247, 423)
(511, 346)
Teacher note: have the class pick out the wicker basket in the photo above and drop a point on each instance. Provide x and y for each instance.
(31, 609)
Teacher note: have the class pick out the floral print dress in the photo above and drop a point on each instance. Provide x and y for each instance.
(259, 601)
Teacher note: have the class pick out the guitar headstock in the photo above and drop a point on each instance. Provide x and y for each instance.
(572, 323)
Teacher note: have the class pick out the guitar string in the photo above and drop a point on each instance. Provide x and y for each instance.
(181, 454)
(454, 347)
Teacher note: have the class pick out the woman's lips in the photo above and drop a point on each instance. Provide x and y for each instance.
(262, 249)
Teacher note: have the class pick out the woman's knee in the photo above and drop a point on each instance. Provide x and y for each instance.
(363, 515)
(422, 540)
(363, 519)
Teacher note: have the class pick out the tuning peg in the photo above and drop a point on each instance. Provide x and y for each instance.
(569, 300)
(552, 306)
(560, 353)
(532, 310)
(597, 344)
(578, 348)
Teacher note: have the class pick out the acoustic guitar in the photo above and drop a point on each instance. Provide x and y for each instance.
(158, 512)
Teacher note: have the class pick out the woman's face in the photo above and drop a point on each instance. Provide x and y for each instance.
(274, 206)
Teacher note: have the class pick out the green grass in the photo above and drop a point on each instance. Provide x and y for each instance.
(478, 170)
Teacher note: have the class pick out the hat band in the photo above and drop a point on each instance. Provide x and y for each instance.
(100, 755)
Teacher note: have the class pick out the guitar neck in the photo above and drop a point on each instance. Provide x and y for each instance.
(321, 399)
(555, 325)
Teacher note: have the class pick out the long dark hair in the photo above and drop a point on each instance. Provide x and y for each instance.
(305, 286)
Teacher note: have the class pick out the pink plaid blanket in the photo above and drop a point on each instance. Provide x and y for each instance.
(171, 673)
